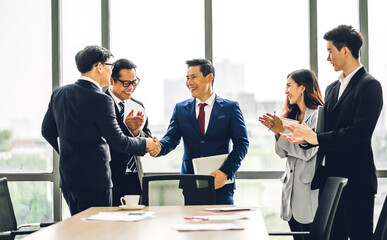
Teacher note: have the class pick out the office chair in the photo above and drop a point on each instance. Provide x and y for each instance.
(8, 226)
(326, 210)
(194, 189)
(381, 226)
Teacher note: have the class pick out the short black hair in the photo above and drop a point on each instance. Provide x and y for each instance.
(206, 66)
(122, 64)
(346, 36)
(89, 56)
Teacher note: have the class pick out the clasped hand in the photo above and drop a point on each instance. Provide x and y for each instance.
(153, 146)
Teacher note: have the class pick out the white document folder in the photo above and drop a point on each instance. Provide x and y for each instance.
(207, 165)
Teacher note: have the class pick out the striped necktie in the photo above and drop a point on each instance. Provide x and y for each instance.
(122, 105)
(131, 162)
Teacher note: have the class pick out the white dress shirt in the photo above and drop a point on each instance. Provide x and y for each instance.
(344, 81)
(207, 109)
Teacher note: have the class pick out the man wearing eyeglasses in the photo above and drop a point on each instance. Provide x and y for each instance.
(83, 119)
(127, 169)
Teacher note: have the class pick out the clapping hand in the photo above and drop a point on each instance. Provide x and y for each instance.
(134, 123)
(272, 122)
(300, 134)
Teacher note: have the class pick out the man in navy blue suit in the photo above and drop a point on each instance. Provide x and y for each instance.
(83, 118)
(207, 124)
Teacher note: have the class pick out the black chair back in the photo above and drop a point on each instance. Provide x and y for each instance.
(381, 226)
(196, 189)
(7, 214)
(323, 220)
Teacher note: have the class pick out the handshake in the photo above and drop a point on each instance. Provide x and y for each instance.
(153, 146)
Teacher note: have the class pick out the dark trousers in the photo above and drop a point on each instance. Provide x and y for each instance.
(82, 200)
(225, 195)
(299, 227)
(354, 216)
(127, 184)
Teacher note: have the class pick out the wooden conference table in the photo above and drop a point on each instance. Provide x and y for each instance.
(157, 227)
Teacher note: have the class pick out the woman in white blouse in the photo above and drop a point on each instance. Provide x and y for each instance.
(299, 202)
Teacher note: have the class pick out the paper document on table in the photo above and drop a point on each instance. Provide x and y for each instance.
(208, 227)
(217, 217)
(120, 217)
(229, 209)
(207, 165)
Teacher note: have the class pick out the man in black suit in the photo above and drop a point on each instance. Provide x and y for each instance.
(352, 108)
(83, 118)
(127, 169)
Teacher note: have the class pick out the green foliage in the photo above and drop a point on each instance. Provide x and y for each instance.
(5, 140)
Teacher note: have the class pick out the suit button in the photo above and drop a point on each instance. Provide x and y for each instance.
(291, 171)
(202, 141)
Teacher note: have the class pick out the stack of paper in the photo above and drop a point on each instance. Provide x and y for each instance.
(123, 217)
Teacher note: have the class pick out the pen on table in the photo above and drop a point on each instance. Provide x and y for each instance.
(136, 213)
(196, 218)
(270, 127)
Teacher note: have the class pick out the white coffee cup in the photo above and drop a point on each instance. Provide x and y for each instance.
(130, 200)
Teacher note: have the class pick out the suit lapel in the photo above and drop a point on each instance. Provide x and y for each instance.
(216, 110)
(354, 80)
(190, 107)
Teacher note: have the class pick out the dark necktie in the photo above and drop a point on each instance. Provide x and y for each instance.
(131, 162)
(122, 105)
(201, 117)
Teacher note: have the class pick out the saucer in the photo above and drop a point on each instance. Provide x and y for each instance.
(137, 207)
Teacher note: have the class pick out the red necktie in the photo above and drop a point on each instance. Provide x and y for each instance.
(201, 117)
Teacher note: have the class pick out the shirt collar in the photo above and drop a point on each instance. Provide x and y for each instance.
(91, 80)
(345, 80)
(116, 99)
(209, 100)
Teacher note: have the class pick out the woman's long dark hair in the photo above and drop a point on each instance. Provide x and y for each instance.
(312, 93)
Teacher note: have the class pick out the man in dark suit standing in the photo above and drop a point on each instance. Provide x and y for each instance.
(127, 168)
(83, 118)
(207, 124)
(352, 108)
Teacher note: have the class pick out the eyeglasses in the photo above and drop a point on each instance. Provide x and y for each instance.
(111, 65)
(127, 83)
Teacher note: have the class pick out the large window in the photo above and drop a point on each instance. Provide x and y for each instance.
(378, 68)
(256, 45)
(330, 14)
(25, 46)
(81, 27)
(159, 36)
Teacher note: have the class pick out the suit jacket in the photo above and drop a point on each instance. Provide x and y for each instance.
(83, 118)
(226, 124)
(348, 126)
(119, 160)
(298, 200)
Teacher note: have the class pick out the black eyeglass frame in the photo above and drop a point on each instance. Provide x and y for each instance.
(127, 83)
(111, 65)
